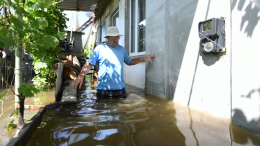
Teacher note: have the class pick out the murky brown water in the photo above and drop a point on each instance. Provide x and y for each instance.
(7, 106)
(141, 119)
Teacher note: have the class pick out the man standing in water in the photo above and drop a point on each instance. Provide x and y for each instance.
(110, 56)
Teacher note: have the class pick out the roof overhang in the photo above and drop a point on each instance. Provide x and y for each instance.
(79, 5)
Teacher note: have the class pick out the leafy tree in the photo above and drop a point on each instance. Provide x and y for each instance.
(37, 25)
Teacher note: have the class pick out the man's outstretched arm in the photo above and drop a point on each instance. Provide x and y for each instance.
(79, 81)
(144, 59)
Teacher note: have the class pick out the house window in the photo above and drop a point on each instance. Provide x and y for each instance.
(138, 23)
(115, 18)
(103, 33)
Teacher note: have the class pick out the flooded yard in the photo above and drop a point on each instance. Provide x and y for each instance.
(140, 119)
(8, 106)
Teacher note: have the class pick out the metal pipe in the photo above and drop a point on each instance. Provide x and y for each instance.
(18, 67)
(18, 71)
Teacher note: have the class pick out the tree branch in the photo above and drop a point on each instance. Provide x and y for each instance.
(8, 84)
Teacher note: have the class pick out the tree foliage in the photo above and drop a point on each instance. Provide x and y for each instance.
(38, 25)
(27, 90)
(2, 95)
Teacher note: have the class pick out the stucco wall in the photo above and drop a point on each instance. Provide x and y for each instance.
(155, 44)
(168, 26)
(181, 15)
(204, 81)
(245, 55)
(224, 85)
(211, 87)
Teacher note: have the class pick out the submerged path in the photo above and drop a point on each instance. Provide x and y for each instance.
(140, 119)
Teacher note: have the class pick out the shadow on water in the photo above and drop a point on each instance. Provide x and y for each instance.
(242, 135)
(240, 119)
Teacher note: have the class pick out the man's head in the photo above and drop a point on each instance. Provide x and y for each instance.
(112, 36)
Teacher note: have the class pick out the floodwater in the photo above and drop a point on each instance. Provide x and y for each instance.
(7, 106)
(140, 119)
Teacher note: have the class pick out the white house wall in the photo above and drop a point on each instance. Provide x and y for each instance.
(133, 75)
(180, 15)
(155, 44)
(225, 85)
(245, 55)
(204, 81)
(211, 87)
(168, 26)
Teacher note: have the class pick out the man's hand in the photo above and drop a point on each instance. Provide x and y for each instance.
(77, 82)
(146, 58)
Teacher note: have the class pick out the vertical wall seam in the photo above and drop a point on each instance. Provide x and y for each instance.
(196, 66)
(166, 60)
(206, 17)
(231, 2)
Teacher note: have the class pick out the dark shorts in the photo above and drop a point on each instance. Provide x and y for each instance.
(111, 93)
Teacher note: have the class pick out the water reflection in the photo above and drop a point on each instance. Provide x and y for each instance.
(104, 134)
(76, 138)
(243, 136)
(141, 119)
(7, 106)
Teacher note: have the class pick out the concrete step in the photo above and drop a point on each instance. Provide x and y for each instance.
(68, 95)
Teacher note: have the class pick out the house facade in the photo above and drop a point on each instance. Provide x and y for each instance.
(223, 84)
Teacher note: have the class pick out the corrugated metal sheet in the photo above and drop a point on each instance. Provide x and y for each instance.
(79, 5)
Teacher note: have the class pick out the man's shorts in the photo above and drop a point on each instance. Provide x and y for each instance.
(111, 93)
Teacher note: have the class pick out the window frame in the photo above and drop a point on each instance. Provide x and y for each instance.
(116, 11)
(101, 37)
(136, 16)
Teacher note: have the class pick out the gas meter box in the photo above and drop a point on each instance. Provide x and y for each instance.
(212, 35)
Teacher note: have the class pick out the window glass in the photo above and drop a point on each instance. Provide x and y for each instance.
(141, 25)
(138, 24)
(115, 18)
(103, 33)
(133, 26)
